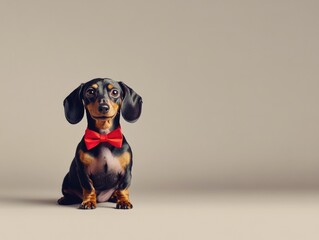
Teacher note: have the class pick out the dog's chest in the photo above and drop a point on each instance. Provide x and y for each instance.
(105, 162)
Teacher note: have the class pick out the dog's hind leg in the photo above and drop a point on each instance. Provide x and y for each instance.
(69, 200)
(70, 196)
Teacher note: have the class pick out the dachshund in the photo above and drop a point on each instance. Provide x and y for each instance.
(101, 170)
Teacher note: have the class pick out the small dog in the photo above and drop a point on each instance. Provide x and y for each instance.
(101, 168)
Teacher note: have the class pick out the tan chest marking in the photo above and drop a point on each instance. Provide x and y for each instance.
(85, 158)
(124, 159)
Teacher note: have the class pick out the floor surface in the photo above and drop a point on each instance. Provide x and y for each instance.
(192, 215)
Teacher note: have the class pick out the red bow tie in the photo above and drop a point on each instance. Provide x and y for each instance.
(92, 138)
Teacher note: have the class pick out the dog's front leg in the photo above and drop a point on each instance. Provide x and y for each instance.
(89, 198)
(89, 194)
(123, 200)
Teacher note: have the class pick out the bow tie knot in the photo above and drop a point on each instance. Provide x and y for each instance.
(103, 137)
(92, 138)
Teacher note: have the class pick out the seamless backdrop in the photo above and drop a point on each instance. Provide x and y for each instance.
(230, 89)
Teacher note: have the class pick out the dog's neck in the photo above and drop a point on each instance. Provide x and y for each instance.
(103, 126)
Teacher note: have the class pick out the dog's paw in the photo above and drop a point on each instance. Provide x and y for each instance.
(68, 200)
(89, 204)
(124, 205)
(62, 201)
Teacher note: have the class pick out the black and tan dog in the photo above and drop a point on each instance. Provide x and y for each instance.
(101, 168)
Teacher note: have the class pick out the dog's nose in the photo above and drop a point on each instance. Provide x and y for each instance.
(104, 108)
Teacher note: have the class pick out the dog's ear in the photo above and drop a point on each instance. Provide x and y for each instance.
(132, 103)
(73, 106)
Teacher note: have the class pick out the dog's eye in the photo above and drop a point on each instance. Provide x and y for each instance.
(114, 93)
(90, 91)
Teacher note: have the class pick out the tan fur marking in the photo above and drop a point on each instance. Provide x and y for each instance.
(93, 108)
(105, 124)
(114, 105)
(95, 86)
(89, 195)
(85, 158)
(124, 159)
(110, 86)
(122, 194)
(89, 198)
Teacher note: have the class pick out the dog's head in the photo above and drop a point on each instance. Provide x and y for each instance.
(103, 99)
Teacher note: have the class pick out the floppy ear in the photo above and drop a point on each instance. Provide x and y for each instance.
(132, 104)
(73, 106)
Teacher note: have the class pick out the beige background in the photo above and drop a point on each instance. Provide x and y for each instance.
(230, 93)
(230, 89)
